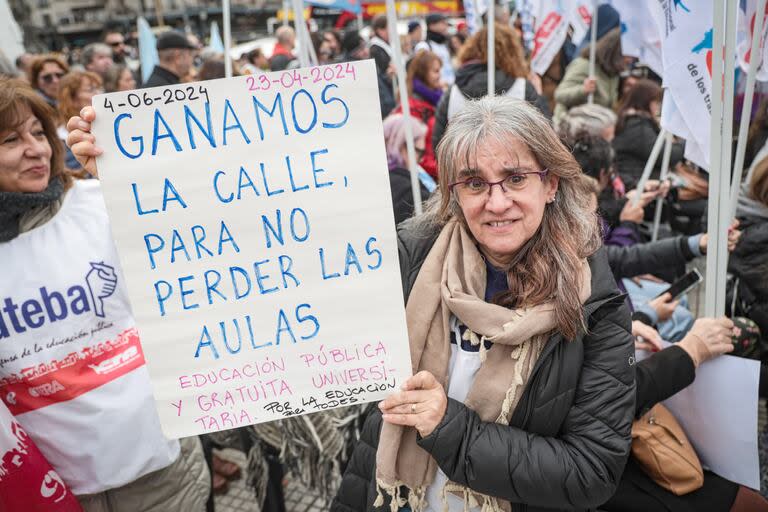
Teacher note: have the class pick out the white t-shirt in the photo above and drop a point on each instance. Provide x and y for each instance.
(462, 370)
(71, 366)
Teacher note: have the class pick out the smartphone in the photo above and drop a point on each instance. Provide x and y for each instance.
(684, 284)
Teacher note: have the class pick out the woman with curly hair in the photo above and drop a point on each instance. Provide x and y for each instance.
(472, 77)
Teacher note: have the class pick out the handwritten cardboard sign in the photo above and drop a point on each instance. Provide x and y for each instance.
(254, 224)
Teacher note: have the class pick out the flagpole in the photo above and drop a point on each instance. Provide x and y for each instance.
(397, 56)
(312, 54)
(664, 172)
(724, 219)
(746, 109)
(491, 51)
(654, 156)
(298, 21)
(227, 22)
(592, 48)
(715, 161)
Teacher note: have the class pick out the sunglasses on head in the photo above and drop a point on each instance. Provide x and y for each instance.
(50, 76)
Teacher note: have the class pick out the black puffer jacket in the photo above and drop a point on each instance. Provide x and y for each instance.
(633, 146)
(569, 436)
(663, 258)
(472, 80)
(749, 263)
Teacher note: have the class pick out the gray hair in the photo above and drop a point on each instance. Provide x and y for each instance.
(591, 119)
(285, 35)
(91, 50)
(569, 231)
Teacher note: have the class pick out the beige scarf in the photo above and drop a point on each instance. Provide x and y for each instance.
(452, 281)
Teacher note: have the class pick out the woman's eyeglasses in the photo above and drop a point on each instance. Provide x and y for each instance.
(476, 186)
(50, 77)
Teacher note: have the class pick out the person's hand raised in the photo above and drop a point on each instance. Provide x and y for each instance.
(664, 306)
(590, 85)
(82, 142)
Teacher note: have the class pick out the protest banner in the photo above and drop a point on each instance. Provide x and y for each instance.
(550, 33)
(254, 225)
(686, 40)
(640, 33)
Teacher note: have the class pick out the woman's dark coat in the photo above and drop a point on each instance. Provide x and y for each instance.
(472, 81)
(633, 147)
(569, 436)
(749, 263)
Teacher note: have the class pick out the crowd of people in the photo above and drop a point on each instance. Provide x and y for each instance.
(526, 304)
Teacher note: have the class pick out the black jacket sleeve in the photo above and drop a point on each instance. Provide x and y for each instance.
(386, 96)
(381, 58)
(581, 466)
(661, 375)
(648, 258)
(357, 484)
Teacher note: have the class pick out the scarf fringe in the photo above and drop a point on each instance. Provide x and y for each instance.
(471, 499)
(417, 497)
(519, 354)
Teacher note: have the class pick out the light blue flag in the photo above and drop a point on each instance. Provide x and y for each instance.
(147, 48)
(344, 5)
(216, 44)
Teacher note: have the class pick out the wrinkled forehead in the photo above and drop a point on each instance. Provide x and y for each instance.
(491, 153)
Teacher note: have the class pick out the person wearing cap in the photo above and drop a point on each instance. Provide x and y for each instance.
(415, 34)
(176, 55)
(437, 42)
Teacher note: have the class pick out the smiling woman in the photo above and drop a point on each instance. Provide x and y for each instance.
(55, 242)
(31, 157)
(514, 321)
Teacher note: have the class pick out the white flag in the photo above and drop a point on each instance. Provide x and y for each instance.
(580, 17)
(745, 24)
(686, 38)
(551, 30)
(640, 35)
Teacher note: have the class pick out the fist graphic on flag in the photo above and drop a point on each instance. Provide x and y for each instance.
(101, 281)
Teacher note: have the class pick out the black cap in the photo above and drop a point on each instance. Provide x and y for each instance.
(435, 18)
(173, 39)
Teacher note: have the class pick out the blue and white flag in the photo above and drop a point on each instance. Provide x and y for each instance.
(640, 36)
(215, 43)
(686, 46)
(745, 25)
(147, 48)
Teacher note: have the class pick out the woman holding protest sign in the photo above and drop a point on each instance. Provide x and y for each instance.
(523, 389)
(72, 369)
